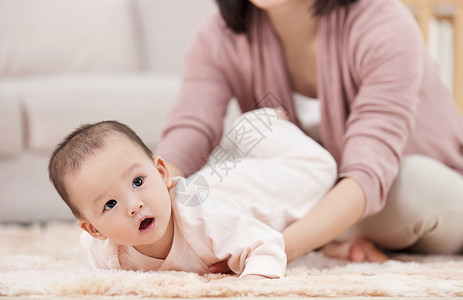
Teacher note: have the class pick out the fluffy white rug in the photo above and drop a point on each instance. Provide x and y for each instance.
(47, 261)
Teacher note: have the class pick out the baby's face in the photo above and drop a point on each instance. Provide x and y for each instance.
(122, 194)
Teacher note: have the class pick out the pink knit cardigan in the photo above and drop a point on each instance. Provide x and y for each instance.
(381, 97)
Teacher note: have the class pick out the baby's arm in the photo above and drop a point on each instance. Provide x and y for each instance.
(249, 246)
(258, 250)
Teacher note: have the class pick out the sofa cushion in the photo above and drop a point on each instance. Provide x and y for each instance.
(168, 27)
(26, 193)
(42, 36)
(54, 106)
(11, 124)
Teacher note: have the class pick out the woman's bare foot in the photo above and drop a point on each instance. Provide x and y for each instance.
(357, 250)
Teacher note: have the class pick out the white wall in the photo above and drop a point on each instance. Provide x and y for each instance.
(169, 26)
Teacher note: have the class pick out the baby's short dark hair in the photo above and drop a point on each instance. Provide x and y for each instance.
(78, 146)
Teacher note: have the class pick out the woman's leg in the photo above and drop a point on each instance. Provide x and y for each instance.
(423, 212)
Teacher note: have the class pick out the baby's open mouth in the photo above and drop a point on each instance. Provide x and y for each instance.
(146, 224)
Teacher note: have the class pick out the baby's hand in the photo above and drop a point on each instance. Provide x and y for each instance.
(282, 113)
(234, 279)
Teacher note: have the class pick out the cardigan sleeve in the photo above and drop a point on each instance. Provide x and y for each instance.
(195, 124)
(388, 56)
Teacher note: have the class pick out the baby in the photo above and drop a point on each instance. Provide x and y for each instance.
(264, 175)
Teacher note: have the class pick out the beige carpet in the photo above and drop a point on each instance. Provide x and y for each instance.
(38, 261)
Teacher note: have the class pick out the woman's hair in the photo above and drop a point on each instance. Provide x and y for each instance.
(78, 146)
(235, 12)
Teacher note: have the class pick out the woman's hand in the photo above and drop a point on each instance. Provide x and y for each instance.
(356, 250)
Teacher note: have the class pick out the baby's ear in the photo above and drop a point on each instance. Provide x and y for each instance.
(163, 171)
(85, 225)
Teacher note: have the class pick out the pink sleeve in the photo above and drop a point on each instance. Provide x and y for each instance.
(195, 124)
(252, 248)
(389, 55)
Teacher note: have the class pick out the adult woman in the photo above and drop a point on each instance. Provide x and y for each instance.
(382, 104)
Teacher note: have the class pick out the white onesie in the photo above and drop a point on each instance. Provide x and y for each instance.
(265, 174)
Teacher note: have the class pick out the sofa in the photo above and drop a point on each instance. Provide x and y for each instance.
(68, 62)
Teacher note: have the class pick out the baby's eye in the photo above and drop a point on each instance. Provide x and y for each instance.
(110, 204)
(137, 182)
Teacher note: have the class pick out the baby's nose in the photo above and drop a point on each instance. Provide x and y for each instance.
(133, 211)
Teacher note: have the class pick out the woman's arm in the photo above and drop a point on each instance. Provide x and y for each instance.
(386, 53)
(339, 209)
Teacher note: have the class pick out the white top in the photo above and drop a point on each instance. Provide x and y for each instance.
(309, 114)
(264, 175)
